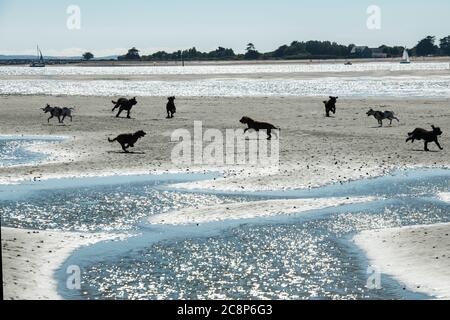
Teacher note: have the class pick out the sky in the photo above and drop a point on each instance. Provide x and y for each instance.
(109, 27)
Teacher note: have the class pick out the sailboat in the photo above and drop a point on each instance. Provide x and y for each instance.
(405, 58)
(40, 63)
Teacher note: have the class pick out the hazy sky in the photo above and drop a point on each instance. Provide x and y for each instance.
(110, 27)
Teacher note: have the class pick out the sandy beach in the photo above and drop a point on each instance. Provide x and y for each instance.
(314, 151)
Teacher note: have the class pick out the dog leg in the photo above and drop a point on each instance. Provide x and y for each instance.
(118, 114)
(426, 146)
(124, 148)
(269, 134)
(128, 114)
(437, 143)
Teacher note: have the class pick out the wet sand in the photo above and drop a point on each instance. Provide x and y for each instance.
(31, 258)
(418, 256)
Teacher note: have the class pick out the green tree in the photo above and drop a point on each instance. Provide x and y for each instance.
(88, 56)
(426, 47)
(445, 46)
(132, 54)
(252, 53)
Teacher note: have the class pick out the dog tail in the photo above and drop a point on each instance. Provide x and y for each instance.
(114, 102)
(112, 140)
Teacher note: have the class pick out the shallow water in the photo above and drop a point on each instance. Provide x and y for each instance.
(16, 150)
(306, 256)
(41, 81)
(303, 256)
(438, 86)
(222, 69)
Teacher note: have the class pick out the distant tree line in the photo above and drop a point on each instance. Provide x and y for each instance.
(299, 50)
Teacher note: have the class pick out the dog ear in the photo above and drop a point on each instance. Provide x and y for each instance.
(433, 126)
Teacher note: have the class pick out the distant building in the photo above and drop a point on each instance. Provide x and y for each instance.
(361, 52)
(378, 53)
(366, 52)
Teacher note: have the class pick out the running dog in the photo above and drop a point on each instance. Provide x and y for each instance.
(128, 140)
(256, 125)
(58, 113)
(330, 106)
(170, 107)
(380, 116)
(124, 105)
(428, 136)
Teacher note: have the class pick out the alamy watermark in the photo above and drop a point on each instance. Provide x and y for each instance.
(374, 279)
(73, 281)
(374, 19)
(74, 19)
(232, 147)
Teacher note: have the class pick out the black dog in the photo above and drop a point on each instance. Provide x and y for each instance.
(428, 136)
(128, 140)
(171, 109)
(124, 104)
(255, 125)
(330, 106)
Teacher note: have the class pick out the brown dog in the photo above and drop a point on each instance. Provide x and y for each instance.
(256, 125)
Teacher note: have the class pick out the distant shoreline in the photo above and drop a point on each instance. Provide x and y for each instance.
(116, 63)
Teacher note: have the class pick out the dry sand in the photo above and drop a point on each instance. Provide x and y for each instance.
(418, 256)
(314, 150)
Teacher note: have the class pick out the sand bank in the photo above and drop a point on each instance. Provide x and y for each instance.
(250, 210)
(417, 256)
(31, 258)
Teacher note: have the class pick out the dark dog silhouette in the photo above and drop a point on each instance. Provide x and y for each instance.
(256, 125)
(124, 105)
(170, 107)
(128, 140)
(428, 136)
(380, 116)
(58, 112)
(330, 106)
